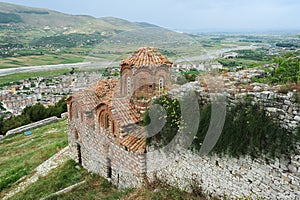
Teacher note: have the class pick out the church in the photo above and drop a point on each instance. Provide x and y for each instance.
(104, 121)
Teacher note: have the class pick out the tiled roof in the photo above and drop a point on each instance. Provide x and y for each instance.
(107, 89)
(123, 112)
(87, 99)
(127, 118)
(135, 140)
(146, 56)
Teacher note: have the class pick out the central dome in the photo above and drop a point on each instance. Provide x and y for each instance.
(146, 56)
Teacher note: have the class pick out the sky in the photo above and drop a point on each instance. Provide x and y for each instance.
(186, 14)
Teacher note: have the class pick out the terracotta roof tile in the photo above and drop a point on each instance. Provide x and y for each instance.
(135, 140)
(107, 90)
(127, 118)
(146, 56)
(123, 112)
(87, 99)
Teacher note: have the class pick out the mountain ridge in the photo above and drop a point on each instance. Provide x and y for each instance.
(41, 18)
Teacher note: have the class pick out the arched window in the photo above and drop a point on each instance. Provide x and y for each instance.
(128, 86)
(161, 85)
(108, 122)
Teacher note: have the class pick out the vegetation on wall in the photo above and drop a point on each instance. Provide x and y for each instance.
(247, 131)
(173, 117)
(288, 69)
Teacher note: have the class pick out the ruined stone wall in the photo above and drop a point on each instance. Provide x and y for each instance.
(230, 177)
(31, 126)
(283, 108)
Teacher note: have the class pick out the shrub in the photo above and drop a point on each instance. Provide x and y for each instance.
(248, 131)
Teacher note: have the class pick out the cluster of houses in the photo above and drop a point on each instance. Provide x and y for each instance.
(44, 90)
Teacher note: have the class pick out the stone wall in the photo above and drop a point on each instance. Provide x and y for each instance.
(279, 179)
(283, 108)
(100, 155)
(232, 177)
(31, 126)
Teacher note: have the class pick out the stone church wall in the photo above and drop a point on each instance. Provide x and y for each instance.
(102, 156)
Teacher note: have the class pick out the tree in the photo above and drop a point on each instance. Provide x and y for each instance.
(36, 112)
(288, 70)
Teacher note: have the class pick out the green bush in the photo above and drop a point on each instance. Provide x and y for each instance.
(173, 118)
(248, 131)
(32, 114)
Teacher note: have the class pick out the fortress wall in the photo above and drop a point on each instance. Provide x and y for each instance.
(283, 108)
(231, 177)
(31, 126)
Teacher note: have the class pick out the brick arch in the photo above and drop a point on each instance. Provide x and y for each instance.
(162, 73)
(73, 110)
(125, 74)
(105, 119)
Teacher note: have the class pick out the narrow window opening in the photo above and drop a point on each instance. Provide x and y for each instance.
(79, 153)
(128, 86)
(109, 170)
(161, 85)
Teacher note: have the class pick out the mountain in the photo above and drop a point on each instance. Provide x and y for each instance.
(35, 36)
(44, 22)
(44, 18)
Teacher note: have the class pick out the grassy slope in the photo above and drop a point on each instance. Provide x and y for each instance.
(36, 60)
(21, 154)
(95, 187)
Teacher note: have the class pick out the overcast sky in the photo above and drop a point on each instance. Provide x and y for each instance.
(186, 14)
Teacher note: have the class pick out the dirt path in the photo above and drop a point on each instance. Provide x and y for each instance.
(41, 170)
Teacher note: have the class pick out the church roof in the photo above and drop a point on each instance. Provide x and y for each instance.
(146, 56)
(107, 89)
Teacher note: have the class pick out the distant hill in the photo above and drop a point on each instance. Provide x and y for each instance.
(49, 23)
(30, 36)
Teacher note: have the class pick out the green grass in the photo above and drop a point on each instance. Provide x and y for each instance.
(21, 154)
(95, 187)
(22, 76)
(36, 60)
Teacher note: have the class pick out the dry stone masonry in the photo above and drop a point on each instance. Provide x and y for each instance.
(231, 177)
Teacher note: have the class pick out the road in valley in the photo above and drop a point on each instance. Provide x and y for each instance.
(100, 65)
(208, 55)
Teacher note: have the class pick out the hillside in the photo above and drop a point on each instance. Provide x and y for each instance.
(21, 154)
(45, 19)
(53, 22)
(30, 36)
(31, 151)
